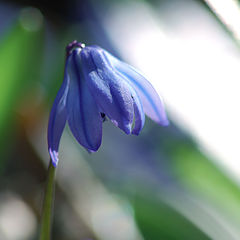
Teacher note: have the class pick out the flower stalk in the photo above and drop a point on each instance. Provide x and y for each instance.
(96, 85)
(46, 219)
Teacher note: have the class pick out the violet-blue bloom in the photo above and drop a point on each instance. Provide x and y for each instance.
(98, 85)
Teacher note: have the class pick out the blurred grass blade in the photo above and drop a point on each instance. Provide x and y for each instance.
(19, 68)
(206, 181)
(159, 221)
(228, 12)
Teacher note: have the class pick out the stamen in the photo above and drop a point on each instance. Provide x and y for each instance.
(103, 117)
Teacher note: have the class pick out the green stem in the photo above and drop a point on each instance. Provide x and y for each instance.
(46, 220)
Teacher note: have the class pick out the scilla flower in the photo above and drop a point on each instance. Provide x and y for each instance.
(98, 85)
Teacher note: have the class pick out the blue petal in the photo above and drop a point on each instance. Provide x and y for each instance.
(139, 113)
(84, 117)
(57, 119)
(109, 89)
(152, 103)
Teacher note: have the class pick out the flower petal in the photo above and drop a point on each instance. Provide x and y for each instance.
(139, 114)
(109, 89)
(152, 103)
(57, 119)
(84, 117)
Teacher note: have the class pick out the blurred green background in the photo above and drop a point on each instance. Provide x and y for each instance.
(175, 182)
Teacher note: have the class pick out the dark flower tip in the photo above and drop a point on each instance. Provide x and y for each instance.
(72, 45)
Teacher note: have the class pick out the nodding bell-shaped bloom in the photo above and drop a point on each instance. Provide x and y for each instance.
(97, 85)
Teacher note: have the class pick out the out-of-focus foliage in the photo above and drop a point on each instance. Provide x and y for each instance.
(159, 221)
(19, 72)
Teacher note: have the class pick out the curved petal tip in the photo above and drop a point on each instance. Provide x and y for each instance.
(127, 128)
(165, 123)
(54, 157)
(91, 151)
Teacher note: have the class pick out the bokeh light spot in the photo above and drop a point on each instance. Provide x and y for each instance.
(31, 19)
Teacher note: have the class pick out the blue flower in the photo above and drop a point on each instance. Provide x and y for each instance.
(98, 85)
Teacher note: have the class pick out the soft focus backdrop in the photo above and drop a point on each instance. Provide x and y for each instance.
(176, 182)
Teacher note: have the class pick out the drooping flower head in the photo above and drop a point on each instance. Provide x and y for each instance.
(97, 85)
